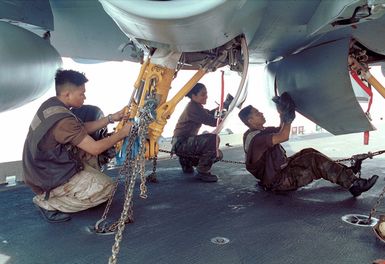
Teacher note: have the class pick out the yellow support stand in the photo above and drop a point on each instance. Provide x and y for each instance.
(132, 107)
(158, 81)
(155, 80)
(357, 66)
(164, 111)
(375, 83)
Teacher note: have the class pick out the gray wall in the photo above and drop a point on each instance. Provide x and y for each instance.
(13, 168)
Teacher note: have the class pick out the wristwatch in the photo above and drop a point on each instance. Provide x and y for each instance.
(110, 120)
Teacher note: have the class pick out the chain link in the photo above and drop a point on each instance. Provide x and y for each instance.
(374, 209)
(131, 168)
(124, 216)
(143, 187)
(152, 176)
(197, 157)
(101, 225)
(353, 158)
(362, 156)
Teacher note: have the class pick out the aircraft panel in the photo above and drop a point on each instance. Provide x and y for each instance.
(185, 25)
(84, 30)
(319, 82)
(32, 14)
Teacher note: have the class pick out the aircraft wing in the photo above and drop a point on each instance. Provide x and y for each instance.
(36, 34)
(304, 44)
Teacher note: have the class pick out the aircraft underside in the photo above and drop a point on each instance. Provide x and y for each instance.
(305, 47)
(332, 42)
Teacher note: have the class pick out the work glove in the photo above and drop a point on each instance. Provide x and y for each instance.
(227, 102)
(285, 107)
(288, 117)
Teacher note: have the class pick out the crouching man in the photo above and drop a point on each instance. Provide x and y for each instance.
(193, 149)
(52, 167)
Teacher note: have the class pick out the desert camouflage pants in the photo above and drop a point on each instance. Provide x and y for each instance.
(308, 165)
(199, 151)
(84, 190)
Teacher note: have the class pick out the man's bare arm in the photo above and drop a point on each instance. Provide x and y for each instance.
(93, 147)
(93, 126)
(283, 134)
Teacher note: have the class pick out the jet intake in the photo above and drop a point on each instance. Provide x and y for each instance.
(28, 66)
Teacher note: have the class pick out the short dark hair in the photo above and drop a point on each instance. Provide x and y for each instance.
(244, 114)
(69, 76)
(195, 90)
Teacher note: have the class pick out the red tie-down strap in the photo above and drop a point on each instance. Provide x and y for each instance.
(367, 90)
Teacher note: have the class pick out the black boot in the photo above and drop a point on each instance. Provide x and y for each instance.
(187, 169)
(362, 185)
(54, 216)
(186, 165)
(207, 177)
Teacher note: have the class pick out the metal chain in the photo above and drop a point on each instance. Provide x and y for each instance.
(354, 157)
(128, 172)
(98, 227)
(143, 187)
(101, 225)
(232, 161)
(362, 156)
(133, 167)
(152, 176)
(197, 157)
(374, 209)
(124, 215)
(126, 169)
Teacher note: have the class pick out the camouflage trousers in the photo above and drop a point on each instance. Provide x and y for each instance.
(87, 188)
(199, 151)
(308, 165)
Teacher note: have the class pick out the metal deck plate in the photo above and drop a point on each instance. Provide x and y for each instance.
(182, 215)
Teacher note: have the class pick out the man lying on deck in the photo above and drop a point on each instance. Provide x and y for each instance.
(266, 158)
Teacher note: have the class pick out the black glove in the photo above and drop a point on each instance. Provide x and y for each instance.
(227, 102)
(284, 103)
(288, 117)
(285, 106)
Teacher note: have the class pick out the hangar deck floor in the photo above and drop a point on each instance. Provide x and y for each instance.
(181, 216)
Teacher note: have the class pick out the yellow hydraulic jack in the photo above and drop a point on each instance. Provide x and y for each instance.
(365, 73)
(164, 112)
(155, 80)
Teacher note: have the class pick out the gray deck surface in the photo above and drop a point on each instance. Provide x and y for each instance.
(180, 217)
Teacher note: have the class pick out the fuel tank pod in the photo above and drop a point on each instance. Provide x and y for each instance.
(27, 66)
